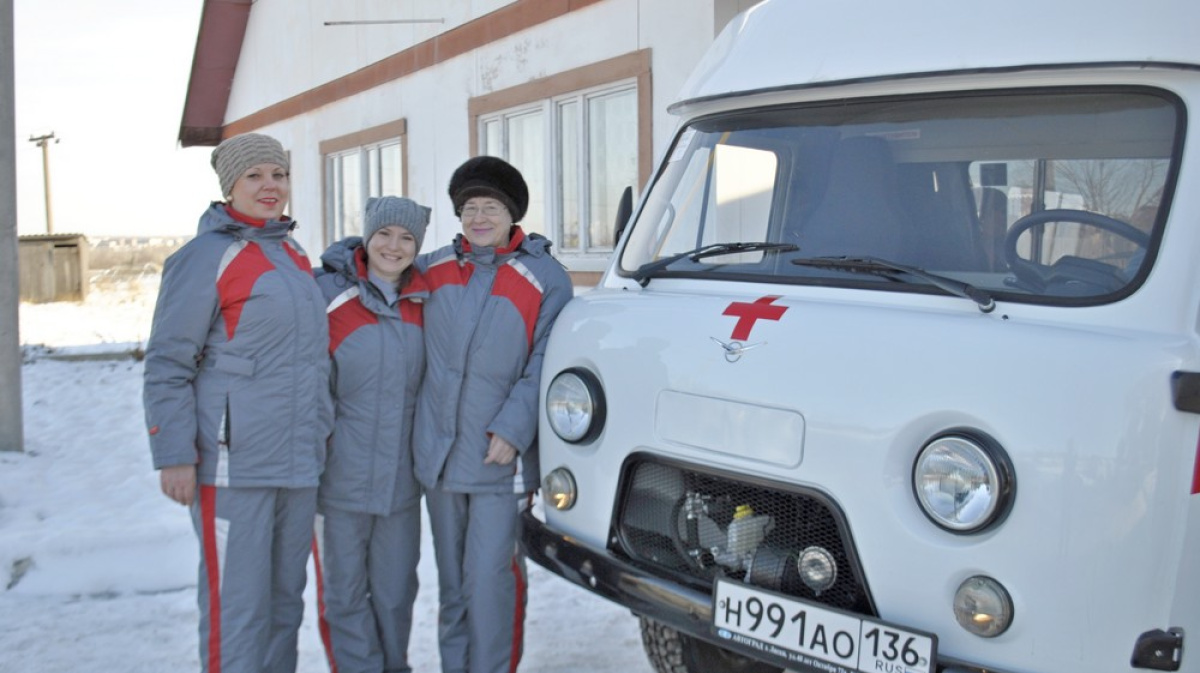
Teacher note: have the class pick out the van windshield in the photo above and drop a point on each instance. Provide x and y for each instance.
(1039, 196)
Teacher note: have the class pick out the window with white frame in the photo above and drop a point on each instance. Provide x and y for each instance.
(578, 151)
(357, 167)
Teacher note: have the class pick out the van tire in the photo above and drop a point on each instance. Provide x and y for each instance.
(670, 651)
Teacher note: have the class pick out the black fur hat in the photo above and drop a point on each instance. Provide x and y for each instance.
(492, 177)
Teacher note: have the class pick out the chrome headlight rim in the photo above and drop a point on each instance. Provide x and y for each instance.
(1002, 478)
(595, 402)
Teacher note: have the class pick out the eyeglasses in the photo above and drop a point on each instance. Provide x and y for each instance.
(490, 210)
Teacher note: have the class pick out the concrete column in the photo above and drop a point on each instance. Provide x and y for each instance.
(11, 428)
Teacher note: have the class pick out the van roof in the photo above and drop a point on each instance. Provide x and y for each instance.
(781, 44)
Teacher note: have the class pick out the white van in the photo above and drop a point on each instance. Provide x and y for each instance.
(897, 364)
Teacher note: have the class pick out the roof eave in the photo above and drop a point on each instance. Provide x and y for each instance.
(218, 47)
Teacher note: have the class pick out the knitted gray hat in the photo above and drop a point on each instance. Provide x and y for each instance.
(234, 155)
(387, 210)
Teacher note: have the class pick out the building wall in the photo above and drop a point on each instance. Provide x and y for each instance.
(288, 52)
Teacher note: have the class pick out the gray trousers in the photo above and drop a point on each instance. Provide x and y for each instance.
(481, 580)
(367, 566)
(254, 546)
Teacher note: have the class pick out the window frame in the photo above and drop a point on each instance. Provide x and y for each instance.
(630, 72)
(359, 143)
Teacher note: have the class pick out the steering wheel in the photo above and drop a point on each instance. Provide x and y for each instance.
(1070, 270)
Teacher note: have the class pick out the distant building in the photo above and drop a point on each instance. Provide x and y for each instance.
(572, 92)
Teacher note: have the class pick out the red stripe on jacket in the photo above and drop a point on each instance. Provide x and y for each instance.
(448, 271)
(524, 295)
(298, 257)
(413, 313)
(346, 318)
(236, 282)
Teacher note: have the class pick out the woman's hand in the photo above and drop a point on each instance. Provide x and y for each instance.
(500, 451)
(179, 483)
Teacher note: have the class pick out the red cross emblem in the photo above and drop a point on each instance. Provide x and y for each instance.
(748, 314)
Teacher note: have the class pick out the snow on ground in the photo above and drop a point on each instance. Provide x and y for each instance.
(98, 568)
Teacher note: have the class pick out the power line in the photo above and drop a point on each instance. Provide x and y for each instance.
(382, 22)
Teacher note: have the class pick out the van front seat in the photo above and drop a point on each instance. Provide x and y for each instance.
(860, 212)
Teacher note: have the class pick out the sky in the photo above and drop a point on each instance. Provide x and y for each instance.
(109, 80)
(98, 569)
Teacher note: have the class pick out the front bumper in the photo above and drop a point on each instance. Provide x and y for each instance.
(684, 609)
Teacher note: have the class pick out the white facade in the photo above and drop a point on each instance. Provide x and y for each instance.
(289, 53)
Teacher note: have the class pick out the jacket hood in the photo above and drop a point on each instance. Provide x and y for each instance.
(340, 257)
(217, 218)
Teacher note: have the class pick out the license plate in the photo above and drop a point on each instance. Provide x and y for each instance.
(802, 635)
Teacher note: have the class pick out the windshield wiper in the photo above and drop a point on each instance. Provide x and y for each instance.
(883, 267)
(643, 272)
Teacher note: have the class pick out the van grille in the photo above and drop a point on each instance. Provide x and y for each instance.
(696, 525)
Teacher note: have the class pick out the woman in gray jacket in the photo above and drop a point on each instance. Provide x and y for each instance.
(238, 409)
(494, 294)
(369, 529)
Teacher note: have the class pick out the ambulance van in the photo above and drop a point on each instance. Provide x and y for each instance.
(896, 367)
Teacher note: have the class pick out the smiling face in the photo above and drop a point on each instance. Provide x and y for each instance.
(261, 192)
(486, 222)
(390, 251)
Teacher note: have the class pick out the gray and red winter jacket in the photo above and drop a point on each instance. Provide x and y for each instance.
(237, 364)
(486, 325)
(378, 354)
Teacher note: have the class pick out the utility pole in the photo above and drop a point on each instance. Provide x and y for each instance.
(43, 142)
(11, 433)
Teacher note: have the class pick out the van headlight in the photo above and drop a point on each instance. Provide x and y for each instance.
(575, 405)
(963, 481)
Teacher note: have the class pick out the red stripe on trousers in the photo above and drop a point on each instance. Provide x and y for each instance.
(518, 618)
(323, 625)
(1196, 471)
(212, 567)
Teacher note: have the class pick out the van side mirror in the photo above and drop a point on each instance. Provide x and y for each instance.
(624, 212)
